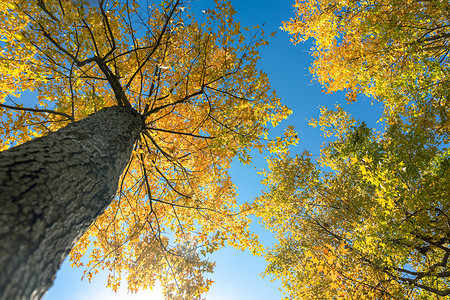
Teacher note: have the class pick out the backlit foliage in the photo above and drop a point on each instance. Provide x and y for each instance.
(394, 51)
(192, 77)
(368, 218)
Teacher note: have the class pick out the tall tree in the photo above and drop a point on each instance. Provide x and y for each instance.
(170, 101)
(368, 217)
(52, 188)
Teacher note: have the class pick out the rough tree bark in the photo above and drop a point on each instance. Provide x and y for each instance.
(51, 189)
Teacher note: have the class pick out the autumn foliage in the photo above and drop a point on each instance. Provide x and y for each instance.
(393, 51)
(192, 77)
(368, 218)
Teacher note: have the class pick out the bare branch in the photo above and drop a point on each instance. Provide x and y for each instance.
(49, 111)
(180, 133)
(158, 42)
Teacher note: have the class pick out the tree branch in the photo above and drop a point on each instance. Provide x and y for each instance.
(38, 110)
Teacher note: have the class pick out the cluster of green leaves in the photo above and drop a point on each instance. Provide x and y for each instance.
(367, 219)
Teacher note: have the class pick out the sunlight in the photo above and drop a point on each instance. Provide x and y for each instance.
(123, 294)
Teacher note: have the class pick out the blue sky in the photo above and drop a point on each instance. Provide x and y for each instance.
(237, 274)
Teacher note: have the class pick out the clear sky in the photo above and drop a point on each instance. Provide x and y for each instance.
(237, 274)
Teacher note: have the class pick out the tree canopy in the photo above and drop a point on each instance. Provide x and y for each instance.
(193, 79)
(367, 218)
(393, 51)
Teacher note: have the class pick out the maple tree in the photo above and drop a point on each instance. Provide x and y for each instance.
(368, 218)
(171, 101)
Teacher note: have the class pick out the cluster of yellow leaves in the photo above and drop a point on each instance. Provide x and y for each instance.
(393, 51)
(203, 100)
(19, 68)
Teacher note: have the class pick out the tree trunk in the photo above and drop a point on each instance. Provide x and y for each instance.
(51, 190)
